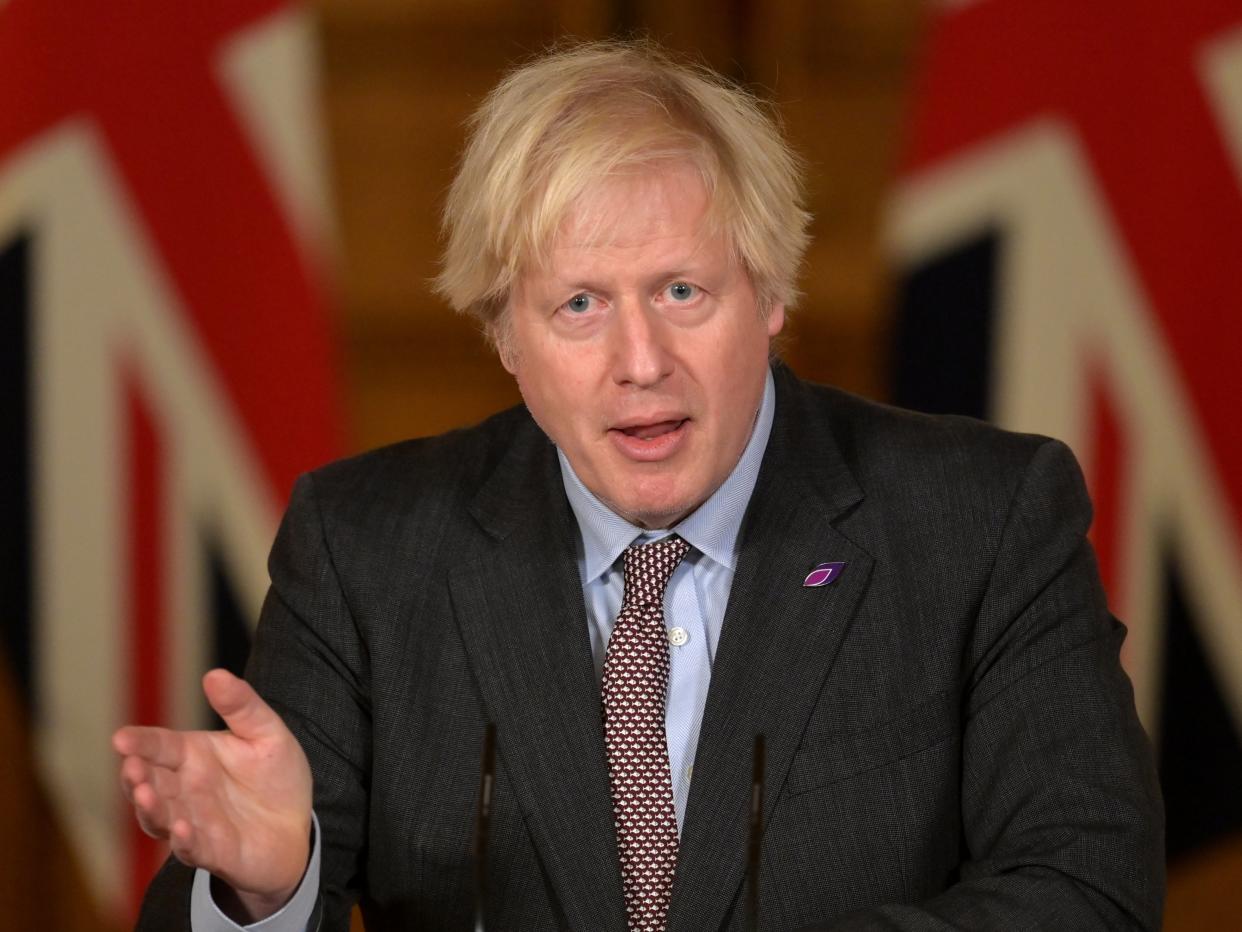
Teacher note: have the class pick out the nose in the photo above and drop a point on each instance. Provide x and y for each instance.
(640, 350)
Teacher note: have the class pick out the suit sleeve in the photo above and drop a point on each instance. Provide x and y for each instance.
(310, 664)
(1061, 810)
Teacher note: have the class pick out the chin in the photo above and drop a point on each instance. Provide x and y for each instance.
(649, 499)
(656, 514)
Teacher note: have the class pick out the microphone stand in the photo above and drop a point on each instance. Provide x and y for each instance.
(756, 837)
(486, 779)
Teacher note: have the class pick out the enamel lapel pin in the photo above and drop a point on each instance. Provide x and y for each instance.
(823, 574)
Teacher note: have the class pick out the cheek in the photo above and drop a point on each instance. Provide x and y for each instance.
(555, 403)
(738, 386)
(565, 378)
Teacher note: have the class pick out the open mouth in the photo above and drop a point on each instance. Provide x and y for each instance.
(652, 431)
(651, 441)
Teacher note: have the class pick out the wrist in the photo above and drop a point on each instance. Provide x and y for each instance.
(247, 908)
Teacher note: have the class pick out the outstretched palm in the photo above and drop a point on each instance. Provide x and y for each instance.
(236, 803)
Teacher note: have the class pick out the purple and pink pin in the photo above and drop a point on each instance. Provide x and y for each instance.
(823, 574)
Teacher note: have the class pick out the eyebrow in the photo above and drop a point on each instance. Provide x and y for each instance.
(667, 275)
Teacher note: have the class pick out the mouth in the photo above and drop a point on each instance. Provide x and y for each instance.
(651, 431)
(650, 440)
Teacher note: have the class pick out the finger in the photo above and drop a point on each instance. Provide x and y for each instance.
(181, 843)
(135, 771)
(194, 843)
(235, 700)
(163, 816)
(166, 783)
(185, 841)
(154, 812)
(162, 747)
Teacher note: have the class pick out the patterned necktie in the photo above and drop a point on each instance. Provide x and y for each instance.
(634, 689)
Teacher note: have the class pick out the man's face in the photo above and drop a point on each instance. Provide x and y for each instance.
(640, 349)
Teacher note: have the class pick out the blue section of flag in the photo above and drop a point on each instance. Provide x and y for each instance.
(16, 588)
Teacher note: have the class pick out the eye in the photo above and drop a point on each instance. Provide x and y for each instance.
(579, 304)
(681, 292)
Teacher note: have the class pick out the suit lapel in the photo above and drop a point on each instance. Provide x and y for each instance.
(520, 609)
(777, 643)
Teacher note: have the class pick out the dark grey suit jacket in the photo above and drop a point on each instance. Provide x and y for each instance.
(951, 743)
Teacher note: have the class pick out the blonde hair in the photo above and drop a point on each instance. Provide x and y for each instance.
(571, 118)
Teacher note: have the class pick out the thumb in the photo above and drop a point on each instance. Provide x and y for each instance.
(247, 716)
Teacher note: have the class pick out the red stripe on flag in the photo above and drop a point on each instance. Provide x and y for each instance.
(1126, 76)
(147, 569)
(146, 76)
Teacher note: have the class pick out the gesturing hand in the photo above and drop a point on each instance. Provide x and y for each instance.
(236, 803)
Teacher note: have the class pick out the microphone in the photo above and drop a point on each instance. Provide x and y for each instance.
(486, 779)
(756, 837)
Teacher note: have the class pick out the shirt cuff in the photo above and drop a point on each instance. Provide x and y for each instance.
(294, 916)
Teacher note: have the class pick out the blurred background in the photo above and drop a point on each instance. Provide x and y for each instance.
(217, 225)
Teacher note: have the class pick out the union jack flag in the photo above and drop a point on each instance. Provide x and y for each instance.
(167, 366)
(1069, 228)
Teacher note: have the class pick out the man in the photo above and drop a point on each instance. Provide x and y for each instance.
(672, 548)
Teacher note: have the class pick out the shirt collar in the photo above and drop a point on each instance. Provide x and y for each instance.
(712, 528)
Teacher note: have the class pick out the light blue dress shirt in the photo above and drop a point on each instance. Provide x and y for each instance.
(694, 607)
(697, 593)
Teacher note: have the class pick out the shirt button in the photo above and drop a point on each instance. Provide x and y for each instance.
(678, 636)
(690, 772)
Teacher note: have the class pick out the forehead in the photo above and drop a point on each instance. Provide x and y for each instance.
(655, 210)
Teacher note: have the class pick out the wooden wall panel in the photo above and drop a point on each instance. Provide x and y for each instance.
(1205, 891)
(401, 79)
(399, 82)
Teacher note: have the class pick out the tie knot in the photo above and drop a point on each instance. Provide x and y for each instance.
(648, 568)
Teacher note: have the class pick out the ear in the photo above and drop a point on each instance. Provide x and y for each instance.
(508, 358)
(776, 319)
(500, 335)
